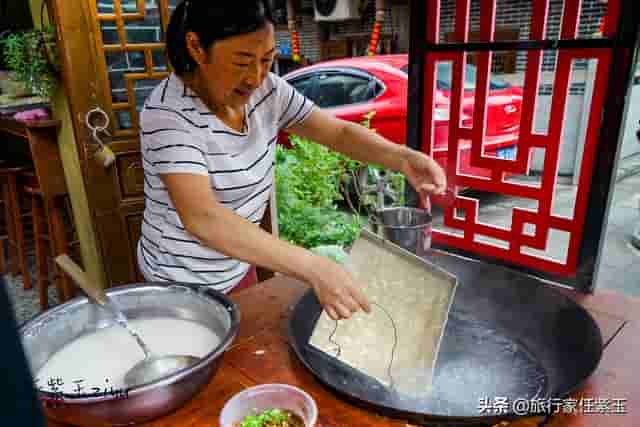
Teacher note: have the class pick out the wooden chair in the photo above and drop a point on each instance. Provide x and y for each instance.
(44, 214)
(14, 217)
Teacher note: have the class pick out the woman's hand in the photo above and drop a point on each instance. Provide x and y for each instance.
(424, 174)
(336, 289)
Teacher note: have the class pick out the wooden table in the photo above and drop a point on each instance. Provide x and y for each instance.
(42, 139)
(260, 354)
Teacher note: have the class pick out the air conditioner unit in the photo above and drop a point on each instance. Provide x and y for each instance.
(336, 10)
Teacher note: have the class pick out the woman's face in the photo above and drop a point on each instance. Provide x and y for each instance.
(233, 68)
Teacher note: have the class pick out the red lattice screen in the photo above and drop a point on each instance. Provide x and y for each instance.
(461, 133)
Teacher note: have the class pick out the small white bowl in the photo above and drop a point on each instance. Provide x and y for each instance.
(257, 399)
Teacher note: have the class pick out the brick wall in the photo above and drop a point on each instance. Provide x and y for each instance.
(517, 14)
(362, 26)
(310, 31)
(309, 37)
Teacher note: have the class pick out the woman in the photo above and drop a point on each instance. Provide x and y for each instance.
(208, 144)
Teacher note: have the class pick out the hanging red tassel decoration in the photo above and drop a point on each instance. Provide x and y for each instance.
(375, 38)
(295, 46)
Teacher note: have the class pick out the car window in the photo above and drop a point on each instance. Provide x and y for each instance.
(497, 84)
(303, 85)
(342, 89)
(443, 78)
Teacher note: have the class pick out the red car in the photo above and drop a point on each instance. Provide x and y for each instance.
(352, 87)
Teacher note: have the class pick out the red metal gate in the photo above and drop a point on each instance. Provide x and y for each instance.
(530, 228)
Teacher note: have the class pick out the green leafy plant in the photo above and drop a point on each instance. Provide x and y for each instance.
(308, 180)
(312, 182)
(32, 58)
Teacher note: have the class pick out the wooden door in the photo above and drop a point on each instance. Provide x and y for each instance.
(113, 56)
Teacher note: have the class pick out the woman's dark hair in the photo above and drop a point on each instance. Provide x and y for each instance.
(211, 20)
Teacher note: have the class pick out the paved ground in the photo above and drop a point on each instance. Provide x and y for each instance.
(619, 266)
(25, 302)
(620, 260)
(620, 263)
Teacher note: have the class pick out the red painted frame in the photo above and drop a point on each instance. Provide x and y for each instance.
(543, 219)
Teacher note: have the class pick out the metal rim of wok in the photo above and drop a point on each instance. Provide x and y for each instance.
(225, 342)
(308, 307)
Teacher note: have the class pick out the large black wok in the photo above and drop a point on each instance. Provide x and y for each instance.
(509, 338)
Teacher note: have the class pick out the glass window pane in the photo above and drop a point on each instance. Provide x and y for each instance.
(109, 32)
(379, 89)
(124, 119)
(118, 87)
(159, 60)
(129, 6)
(341, 89)
(303, 85)
(143, 89)
(136, 61)
(105, 6)
(443, 77)
(116, 61)
(118, 65)
(116, 68)
(359, 90)
(148, 30)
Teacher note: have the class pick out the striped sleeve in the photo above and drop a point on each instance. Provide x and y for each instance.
(291, 106)
(170, 145)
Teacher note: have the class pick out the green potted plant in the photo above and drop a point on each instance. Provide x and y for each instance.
(32, 60)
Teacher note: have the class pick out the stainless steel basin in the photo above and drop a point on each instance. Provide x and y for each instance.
(47, 333)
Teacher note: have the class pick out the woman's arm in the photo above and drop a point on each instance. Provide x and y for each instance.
(351, 139)
(223, 230)
(360, 143)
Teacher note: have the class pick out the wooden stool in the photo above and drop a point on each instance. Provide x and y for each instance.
(50, 239)
(14, 217)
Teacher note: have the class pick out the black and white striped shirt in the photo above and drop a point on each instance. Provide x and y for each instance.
(179, 134)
